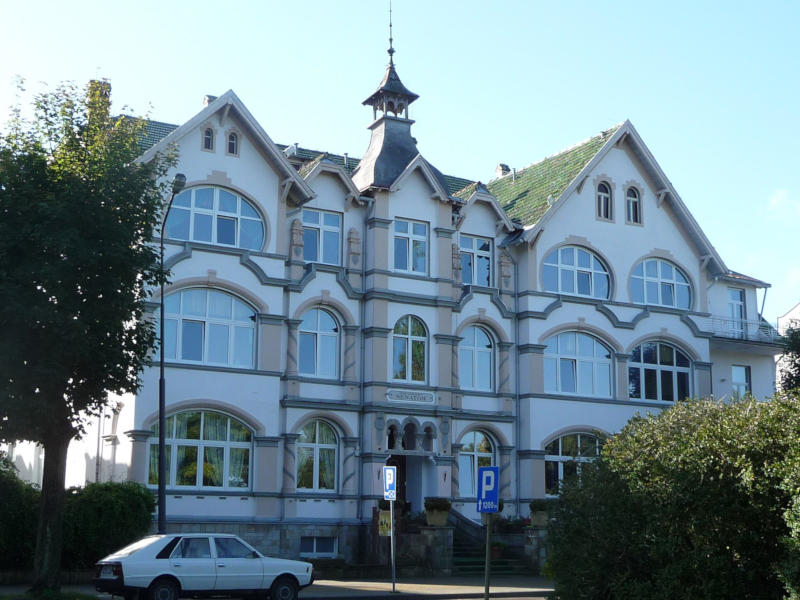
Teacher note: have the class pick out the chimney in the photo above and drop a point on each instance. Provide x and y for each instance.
(502, 170)
(291, 150)
(208, 99)
(346, 165)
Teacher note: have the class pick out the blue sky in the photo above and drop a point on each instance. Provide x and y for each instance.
(712, 88)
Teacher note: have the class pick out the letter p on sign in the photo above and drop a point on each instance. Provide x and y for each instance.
(488, 491)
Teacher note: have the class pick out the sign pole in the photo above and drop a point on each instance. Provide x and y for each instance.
(391, 532)
(488, 563)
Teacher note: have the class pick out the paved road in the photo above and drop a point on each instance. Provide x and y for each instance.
(450, 588)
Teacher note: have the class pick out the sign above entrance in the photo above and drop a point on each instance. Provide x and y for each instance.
(417, 397)
(488, 488)
(390, 483)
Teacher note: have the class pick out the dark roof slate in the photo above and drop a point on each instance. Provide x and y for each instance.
(154, 132)
(524, 194)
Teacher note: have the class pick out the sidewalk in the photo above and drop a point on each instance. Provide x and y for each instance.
(418, 588)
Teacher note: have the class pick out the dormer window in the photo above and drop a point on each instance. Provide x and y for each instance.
(604, 201)
(233, 144)
(208, 139)
(476, 260)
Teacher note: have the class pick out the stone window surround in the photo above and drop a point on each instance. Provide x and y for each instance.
(203, 129)
(338, 456)
(390, 353)
(632, 184)
(604, 178)
(410, 237)
(233, 131)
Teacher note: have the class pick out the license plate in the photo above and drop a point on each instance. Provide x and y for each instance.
(106, 571)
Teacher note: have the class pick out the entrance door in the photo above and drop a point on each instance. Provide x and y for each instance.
(399, 461)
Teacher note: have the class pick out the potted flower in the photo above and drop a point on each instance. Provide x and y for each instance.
(436, 511)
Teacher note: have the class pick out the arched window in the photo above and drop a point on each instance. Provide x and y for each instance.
(233, 144)
(658, 282)
(604, 207)
(208, 139)
(575, 271)
(476, 451)
(319, 344)
(633, 206)
(577, 363)
(564, 455)
(204, 449)
(409, 340)
(476, 359)
(658, 371)
(209, 327)
(316, 457)
(215, 216)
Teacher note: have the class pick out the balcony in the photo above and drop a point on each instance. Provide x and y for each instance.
(747, 331)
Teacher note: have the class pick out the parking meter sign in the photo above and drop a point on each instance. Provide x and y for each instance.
(390, 483)
(488, 489)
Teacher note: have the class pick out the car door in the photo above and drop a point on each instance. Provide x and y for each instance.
(191, 562)
(238, 567)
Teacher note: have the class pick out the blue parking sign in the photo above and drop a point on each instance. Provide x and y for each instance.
(488, 489)
(390, 483)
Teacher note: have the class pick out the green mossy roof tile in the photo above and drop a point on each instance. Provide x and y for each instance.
(524, 194)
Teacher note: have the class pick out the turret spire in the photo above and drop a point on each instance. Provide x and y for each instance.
(390, 51)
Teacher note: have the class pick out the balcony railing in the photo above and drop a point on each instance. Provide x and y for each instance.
(739, 329)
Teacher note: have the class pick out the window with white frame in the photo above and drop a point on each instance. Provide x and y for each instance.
(319, 344)
(736, 312)
(209, 327)
(563, 458)
(409, 355)
(604, 207)
(410, 246)
(660, 283)
(318, 546)
(740, 381)
(476, 260)
(476, 451)
(577, 363)
(575, 271)
(316, 457)
(214, 215)
(476, 359)
(205, 449)
(322, 235)
(233, 144)
(658, 371)
(208, 139)
(633, 206)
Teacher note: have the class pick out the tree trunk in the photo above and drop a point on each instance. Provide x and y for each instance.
(47, 558)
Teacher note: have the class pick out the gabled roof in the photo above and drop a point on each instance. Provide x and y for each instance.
(230, 101)
(322, 164)
(478, 192)
(431, 174)
(524, 194)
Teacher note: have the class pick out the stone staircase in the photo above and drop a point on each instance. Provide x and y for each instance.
(469, 550)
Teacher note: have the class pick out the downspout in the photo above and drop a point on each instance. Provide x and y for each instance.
(362, 313)
(517, 400)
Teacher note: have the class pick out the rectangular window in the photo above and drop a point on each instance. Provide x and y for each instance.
(740, 381)
(410, 246)
(476, 260)
(322, 234)
(318, 546)
(736, 312)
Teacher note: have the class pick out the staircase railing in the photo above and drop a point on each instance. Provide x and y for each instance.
(467, 527)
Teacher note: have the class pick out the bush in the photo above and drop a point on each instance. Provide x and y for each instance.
(103, 517)
(19, 515)
(436, 503)
(700, 501)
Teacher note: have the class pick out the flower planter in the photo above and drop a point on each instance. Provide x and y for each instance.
(437, 518)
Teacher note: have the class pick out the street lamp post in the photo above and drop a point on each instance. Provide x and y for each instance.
(178, 184)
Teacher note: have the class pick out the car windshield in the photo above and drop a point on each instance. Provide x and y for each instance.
(137, 545)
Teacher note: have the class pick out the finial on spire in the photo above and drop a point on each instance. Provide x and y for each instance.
(390, 51)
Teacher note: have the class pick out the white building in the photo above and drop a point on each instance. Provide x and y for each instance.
(327, 316)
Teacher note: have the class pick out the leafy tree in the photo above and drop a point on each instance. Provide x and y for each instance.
(790, 361)
(20, 501)
(77, 216)
(700, 501)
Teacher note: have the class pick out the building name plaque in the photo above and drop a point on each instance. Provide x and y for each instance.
(410, 396)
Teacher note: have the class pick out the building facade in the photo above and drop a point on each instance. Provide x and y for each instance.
(326, 316)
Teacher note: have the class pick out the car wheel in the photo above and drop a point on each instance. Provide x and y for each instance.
(163, 589)
(284, 588)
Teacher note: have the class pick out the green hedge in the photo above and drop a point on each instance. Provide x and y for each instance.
(700, 501)
(19, 513)
(103, 517)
